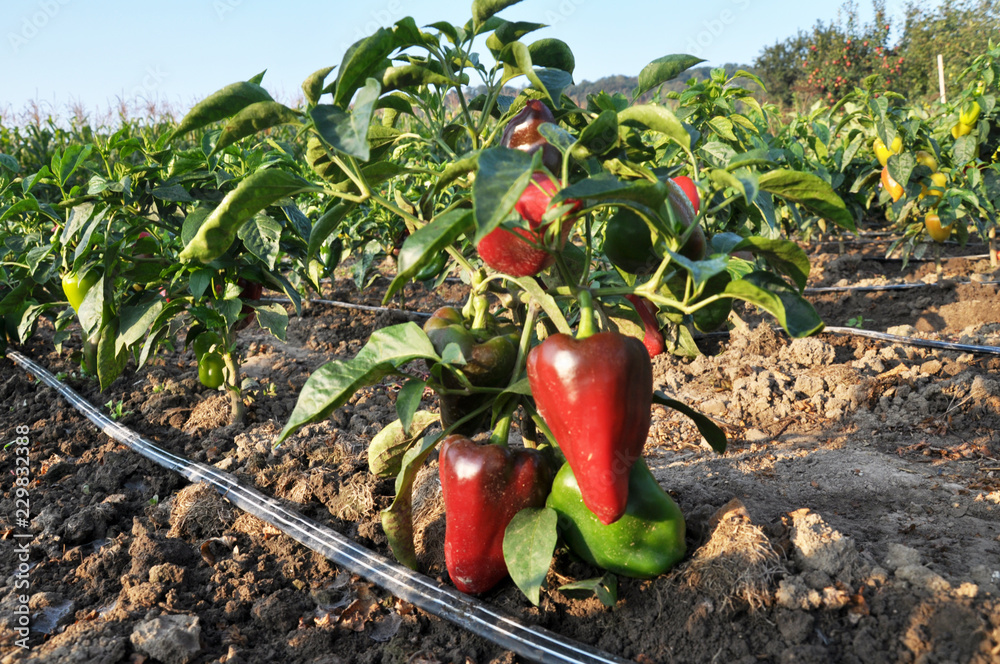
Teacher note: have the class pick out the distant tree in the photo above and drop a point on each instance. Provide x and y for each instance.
(957, 29)
(829, 61)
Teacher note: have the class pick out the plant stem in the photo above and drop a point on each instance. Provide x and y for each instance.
(586, 327)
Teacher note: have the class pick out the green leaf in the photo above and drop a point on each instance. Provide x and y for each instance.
(528, 544)
(273, 318)
(553, 54)
(779, 298)
(661, 70)
(347, 131)
(811, 192)
(386, 451)
(312, 87)
(502, 176)
(408, 400)
(252, 195)
(598, 137)
(362, 61)
(408, 76)
(712, 434)
(783, 255)
(397, 519)
(701, 271)
(26, 204)
(657, 118)
(330, 386)
(426, 243)
(254, 118)
(135, 321)
(66, 163)
(605, 588)
(325, 226)
(261, 237)
(172, 193)
(901, 167)
(509, 31)
(110, 363)
(220, 105)
(484, 9)
(9, 164)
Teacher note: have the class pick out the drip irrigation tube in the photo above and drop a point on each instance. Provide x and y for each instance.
(534, 643)
(882, 336)
(349, 305)
(910, 341)
(924, 259)
(892, 287)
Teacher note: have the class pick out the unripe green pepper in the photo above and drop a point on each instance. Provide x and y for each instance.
(645, 542)
(490, 355)
(76, 286)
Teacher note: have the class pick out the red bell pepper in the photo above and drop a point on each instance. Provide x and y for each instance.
(505, 252)
(484, 486)
(652, 338)
(595, 395)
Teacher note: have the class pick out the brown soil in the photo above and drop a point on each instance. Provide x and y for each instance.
(855, 517)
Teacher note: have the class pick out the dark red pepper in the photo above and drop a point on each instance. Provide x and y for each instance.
(521, 133)
(595, 395)
(484, 486)
(652, 338)
(505, 252)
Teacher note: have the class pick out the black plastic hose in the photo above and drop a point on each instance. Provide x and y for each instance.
(892, 287)
(534, 643)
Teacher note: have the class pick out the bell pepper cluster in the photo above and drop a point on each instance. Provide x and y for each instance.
(591, 393)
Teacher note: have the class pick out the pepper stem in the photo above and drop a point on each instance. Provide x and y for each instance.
(586, 327)
(501, 432)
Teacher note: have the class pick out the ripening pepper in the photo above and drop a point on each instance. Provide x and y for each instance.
(882, 153)
(521, 133)
(938, 233)
(483, 487)
(690, 190)
(969, 114)
(894, 189)
(505, 252)
(595, 395)
(960, 129)
(490, 356)
(645, 542)
(652, 338)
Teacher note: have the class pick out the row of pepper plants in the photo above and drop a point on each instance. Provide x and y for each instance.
(930, 170)
(592, 237)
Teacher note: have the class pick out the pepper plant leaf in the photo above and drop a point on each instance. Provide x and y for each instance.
(254, 118)
(811, 192)
(422, 246)
(397, 519)
(528, 545)
(502, 176)
(256, 192)
(712, 434)
(779, 298)
(330, 386)
(220, 105)
(783, 255)
(664, 69)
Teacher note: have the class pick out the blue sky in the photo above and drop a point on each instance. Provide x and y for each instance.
(58, 52)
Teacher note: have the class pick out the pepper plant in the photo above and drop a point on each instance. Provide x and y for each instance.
(515, 190)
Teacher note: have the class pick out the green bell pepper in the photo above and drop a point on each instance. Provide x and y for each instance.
(645, 542)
